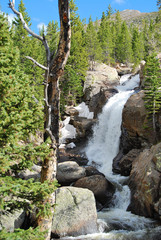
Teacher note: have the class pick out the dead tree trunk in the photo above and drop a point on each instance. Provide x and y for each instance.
(54, 70)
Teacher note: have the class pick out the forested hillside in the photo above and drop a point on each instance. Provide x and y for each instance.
(112, 39)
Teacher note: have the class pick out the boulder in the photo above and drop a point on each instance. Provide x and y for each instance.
(103, 189)
(126, 161)
(145, 183)
(71, 111)
(11, 221)
(69, 172)
(83, 127)
(99, 86)
(137, 131)
(75, 212)
(90, 170)
(72, 155)
(33, 173)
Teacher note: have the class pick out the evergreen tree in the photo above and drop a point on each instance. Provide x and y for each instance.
(52, 35)
(116, 35)
(109, 11)
(77, 65)
(152, 87)
(20, 116)
(137, 46)
(92, 43)
(21, 38)
(124, 45)
(159, 4)
(105, 39)
(28, 47)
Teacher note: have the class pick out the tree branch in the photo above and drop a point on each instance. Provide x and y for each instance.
(37, 64)
(12, 6)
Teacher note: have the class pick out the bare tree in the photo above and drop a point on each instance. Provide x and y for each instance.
(53, 71)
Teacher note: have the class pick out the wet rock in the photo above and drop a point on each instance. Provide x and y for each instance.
(83, 127)
(126, 161)
(69, 172)
(75, 212)
(99, 185)
(116, 160)
(90, 170)
(145, 183)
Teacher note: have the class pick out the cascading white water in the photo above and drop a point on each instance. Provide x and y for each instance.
(104, 145)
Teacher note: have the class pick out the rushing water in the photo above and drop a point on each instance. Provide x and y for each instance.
(116, 223)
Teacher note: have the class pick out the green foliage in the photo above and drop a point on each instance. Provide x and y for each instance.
(152, 87)
(92, 43)
(124, 44)
(159, 4)
(29, 46)
(105, 39)
(21, 116)
(75, 71)
(16, 193)
(19, 234)
(52, 35)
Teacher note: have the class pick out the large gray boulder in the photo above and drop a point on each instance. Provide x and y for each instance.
(99, 86)
(75, 212)
(11, 221)
(69, 172)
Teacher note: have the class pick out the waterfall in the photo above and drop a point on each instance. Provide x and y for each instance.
(115, 223)
(104, 145)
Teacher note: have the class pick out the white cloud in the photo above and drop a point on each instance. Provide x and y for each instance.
(41, 25)
(119, 1)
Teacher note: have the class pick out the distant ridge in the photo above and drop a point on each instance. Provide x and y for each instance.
(134, 16)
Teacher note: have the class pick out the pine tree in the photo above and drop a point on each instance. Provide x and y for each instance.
(105, 39)
(109, 11)
(28, 47)
(125, 48)
(52, 35)
(159, 4)
(92, 43)
(137, 46)
(20, 116)
(75, 70)
(21, 38)
(152, 87)
(116, 36)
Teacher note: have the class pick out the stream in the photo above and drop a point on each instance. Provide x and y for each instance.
(115, 223)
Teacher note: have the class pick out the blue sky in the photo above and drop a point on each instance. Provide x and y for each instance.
(43, 11)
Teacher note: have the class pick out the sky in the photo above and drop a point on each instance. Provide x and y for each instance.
(43, 11)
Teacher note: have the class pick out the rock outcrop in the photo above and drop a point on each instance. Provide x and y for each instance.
(145, 183)
(75, 212)
(137, 131)
(99, 86)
